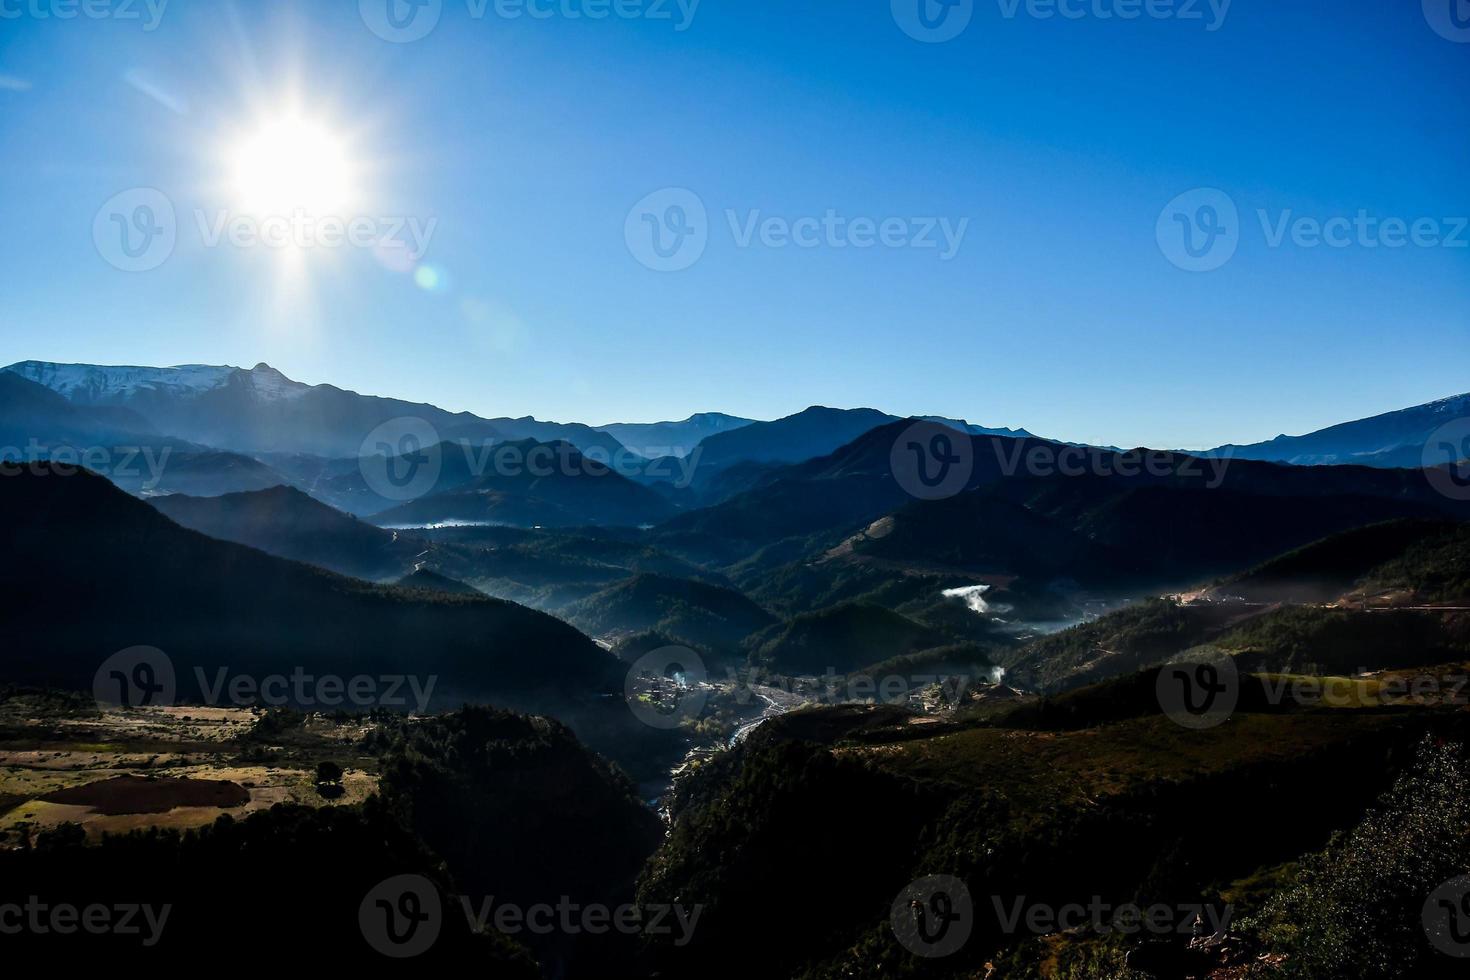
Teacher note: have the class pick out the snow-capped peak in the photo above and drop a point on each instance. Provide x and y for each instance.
(267, 382)
(90, 383)
(106, 384)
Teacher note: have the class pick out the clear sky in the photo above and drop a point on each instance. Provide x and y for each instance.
(528, 141)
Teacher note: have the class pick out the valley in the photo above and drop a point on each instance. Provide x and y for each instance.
(667, 490)
(793, 671)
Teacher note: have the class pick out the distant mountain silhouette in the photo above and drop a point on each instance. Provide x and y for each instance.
(844, 638)
(36, 422)
(285, 522)
(549, 485)
(261, 410)
(1393, 439)
(423, 578)
(32, 413)
(1327, 569)
(814, 432)
(704, 615)
(655, 439)
(1177, 523)
(102, 572)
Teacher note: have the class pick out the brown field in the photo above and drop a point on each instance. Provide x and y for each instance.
(150, 794)
(112, 770)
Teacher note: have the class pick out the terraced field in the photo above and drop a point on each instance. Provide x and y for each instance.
(62, 760)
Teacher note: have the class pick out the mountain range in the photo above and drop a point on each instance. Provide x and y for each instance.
(786, 552)
(262, 413)
(1393, 439)
(260, 410)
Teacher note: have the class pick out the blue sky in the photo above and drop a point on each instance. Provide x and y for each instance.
(1057, 141)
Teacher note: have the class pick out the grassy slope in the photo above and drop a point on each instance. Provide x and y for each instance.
(1135, 808)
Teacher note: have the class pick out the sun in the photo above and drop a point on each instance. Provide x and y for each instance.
(290, 163)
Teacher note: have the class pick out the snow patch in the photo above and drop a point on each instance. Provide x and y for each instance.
(87, 383)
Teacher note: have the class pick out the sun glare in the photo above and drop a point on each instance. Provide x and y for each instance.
(291, 163)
